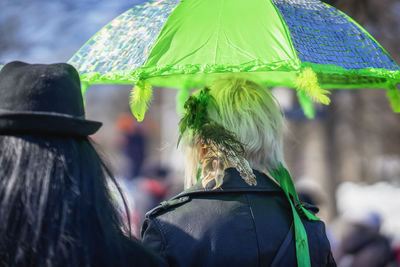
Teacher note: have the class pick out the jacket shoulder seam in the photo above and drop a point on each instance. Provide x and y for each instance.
(255, 229)
(166, 205)
(228, 190)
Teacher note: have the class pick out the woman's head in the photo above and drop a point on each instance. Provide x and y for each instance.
(251, 113)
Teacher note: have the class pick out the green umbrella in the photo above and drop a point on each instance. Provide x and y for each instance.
(302, 44)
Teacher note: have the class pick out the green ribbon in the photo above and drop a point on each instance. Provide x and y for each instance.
(84, 87)
(394, 97)
(306, 104)
(282, 176)
(181, 98)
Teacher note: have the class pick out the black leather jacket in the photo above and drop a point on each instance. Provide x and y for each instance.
(234, 225)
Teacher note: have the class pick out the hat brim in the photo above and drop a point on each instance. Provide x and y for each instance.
(46, 123)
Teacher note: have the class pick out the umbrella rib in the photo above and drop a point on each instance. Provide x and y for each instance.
(218, 31)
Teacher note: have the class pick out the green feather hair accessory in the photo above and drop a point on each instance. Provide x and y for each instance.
(214, 135)
(196, 114)
(196, 118)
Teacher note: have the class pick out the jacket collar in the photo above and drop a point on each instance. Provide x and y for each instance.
(232, 182)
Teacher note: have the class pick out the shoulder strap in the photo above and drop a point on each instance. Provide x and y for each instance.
(165, 205)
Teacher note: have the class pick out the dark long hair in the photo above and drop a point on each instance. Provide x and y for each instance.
(55, 208)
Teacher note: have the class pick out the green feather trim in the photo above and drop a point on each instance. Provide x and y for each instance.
(140, 99)
(306, 104)
(307, 82)
(394, 96)
(181, 98)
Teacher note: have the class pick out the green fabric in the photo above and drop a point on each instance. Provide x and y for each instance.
(335, 77)
(361, 28)
(181, 98)
(198, 174)
(273, 74)
(221, 36)
(302, 249)
(306, 105)
(282, 176)
(202, 41)
(84, 87)
(210, 37)
(393, 95)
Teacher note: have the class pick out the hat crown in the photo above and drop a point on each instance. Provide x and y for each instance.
(42, 99)
(31, 88)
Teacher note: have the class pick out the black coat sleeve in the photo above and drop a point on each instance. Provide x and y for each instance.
(152, 236)
(331, 261)
(138, 255)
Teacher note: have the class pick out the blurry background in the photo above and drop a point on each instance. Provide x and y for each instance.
(347, 160)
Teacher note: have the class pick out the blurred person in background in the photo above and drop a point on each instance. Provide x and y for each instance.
(310, 192)
(152, 188)
(132, 143)
(144, 184)
(396, 249)
(55, 207)
(363, 245)
(144, 193)
(232, 212)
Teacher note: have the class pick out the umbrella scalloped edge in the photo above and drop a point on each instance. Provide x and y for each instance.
(363, 78)
(144, 73)
(380, 77)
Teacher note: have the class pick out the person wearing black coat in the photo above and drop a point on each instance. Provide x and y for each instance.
(237, 210)
(238, 225)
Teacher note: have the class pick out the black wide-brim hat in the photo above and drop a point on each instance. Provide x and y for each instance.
(42, 99)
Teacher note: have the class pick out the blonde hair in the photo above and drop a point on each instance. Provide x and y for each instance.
(249, 111)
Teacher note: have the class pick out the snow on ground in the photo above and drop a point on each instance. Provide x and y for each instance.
(356, 200)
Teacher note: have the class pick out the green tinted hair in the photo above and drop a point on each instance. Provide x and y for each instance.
(251, 112)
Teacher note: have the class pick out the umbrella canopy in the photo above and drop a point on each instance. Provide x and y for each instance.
(302, 44)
